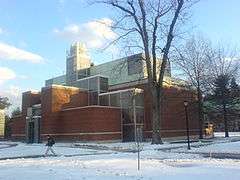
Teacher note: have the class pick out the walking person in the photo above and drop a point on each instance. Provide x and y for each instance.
(50, 143)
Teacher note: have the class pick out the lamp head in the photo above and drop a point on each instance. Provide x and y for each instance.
(185, 103)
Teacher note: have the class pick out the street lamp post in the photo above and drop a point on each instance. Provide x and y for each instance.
(139, 148)
(187, 124)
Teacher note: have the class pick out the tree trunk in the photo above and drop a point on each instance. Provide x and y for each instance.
(225, 119)
(200, 112)
(156, 115)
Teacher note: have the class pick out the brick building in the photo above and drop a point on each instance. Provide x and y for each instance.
(109, 101)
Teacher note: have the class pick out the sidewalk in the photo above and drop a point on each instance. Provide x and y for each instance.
(7, 145)
(227, 148)
(43, 156)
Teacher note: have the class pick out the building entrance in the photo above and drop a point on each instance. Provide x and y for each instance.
(33, 124)
(30, 132)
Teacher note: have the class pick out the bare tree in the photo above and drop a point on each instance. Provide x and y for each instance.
(151, 27)
(16, 112)
(222, 61)
(202, 65)
(4, 102)
(223, 66)
(193, 59)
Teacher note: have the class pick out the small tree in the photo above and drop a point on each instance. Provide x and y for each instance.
(16, 112)
(224, 101)
(7, 132)
(223, 67)
(235, 89)
(4, 102)
(222, 97)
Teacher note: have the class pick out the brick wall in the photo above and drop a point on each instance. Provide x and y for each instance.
(28, 99)
(77, 100)
(87, 123)
(82, 123)
(103, 123)
(173, 114)
(17, 126)
(53, 99)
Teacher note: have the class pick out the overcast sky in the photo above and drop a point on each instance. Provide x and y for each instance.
(34, 36)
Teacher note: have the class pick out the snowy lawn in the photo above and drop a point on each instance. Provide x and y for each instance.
(230, 147)
(231, 134)
(156, 162)
(218, 145)
(118, 166)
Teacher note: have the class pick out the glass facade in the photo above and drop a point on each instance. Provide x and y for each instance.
(60, 80)
(128, 69)
(104, 100)
(115, 100)
(71, 68)
(94, 85)
(135, 65)
(93, 98)
(131, 102)
(83, 73)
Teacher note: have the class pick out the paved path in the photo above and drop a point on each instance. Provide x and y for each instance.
(7, 145)
(70, 155)
(217, 155)
(102, 147)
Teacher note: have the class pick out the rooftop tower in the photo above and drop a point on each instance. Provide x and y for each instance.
(76, 59)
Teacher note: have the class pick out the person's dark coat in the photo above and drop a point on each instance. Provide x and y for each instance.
(50, 141)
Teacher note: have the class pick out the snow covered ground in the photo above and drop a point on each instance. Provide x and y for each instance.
(231, 134)
(118, 166)
(232, 147)
(218, 145)
(157, 162)
(39, 149)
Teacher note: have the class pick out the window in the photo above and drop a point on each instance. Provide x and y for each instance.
(83, 73)
(135, 65)
(139, 99)
(93, 84)
(115, 99)
(83, 84)
(127, 115)
(139, 114)
(104, 100)
(103, 84)
(93, 98)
